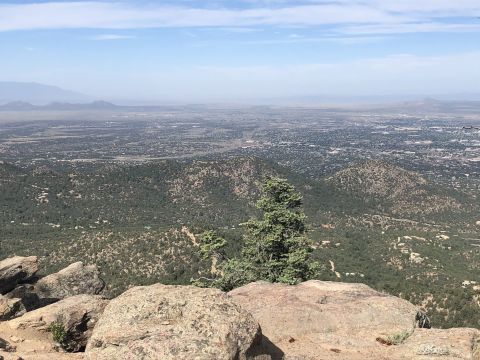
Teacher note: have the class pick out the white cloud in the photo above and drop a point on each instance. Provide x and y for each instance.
(409, 28)
(107, 37)
(124, 15)
(392, 15)
(298, 39)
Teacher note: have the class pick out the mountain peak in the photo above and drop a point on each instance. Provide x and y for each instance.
(37, 93)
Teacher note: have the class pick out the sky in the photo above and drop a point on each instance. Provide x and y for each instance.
(244, 50)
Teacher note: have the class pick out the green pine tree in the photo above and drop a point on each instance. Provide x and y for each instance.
(276, 247)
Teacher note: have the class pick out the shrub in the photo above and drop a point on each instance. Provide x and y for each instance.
(399, 338)
(59, 333)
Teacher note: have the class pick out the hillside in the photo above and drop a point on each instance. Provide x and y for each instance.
(163, 192)
(396, 191)
(371, 222)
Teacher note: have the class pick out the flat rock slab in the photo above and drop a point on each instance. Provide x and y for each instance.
(329, 320)
(323, 320)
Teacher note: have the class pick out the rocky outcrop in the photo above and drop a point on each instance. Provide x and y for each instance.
(174, 322)
(10, 308)
(35, 331)
(75, 316)
(260, 321)
(327, 320)
(75, 279)
(16, 270)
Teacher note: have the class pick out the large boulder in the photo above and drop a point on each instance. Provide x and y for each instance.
(319, 319)
(16, 270)
(328, 320)
(75, 279)
(10, 308)
(75, 317)
(174, 322)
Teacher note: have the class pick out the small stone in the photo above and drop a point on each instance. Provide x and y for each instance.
(15, 339)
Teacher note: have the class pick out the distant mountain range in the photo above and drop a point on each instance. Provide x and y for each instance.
(55, 106)
(35, 93)
(429, 105)
(91, 106)
(22, 96)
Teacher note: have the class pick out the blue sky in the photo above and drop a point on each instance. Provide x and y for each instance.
(191, 51)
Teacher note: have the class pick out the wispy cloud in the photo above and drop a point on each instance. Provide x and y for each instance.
(353, 16)
(109, 37)
(298, 39)
(409, 28)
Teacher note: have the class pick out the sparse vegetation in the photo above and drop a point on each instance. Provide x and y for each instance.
(399, 338)
(59, 334)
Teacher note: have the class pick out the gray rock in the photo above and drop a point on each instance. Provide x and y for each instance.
(75, 279)
(16, 270)
(174, 322)
(10, 308)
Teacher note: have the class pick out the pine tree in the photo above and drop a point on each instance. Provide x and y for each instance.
(276, 247)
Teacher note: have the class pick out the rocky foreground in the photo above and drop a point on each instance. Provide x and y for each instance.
(65, 316)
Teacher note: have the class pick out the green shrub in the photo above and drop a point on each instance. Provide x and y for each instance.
(399, 338)
(58, 331)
